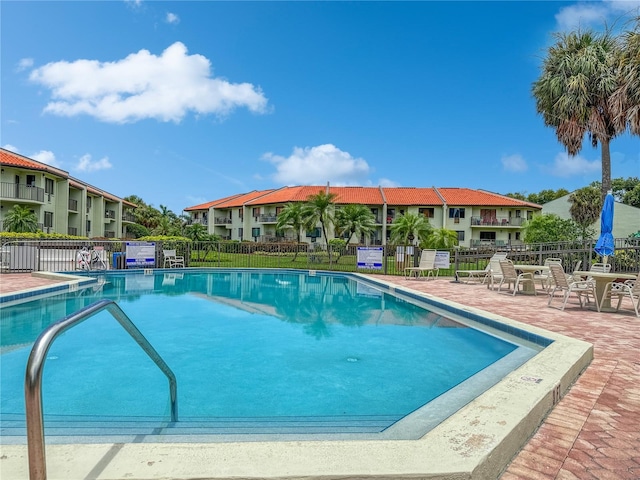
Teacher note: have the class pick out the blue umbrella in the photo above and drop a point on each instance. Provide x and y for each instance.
(605, 245)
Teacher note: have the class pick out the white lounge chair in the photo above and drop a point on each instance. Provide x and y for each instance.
(544, 276)
(426, 267)
(480, 275)
(582, 288)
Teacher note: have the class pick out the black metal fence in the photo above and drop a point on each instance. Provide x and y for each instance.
(69, 255)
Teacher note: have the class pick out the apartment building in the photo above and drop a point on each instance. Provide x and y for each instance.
(479, 217)
(62, 204)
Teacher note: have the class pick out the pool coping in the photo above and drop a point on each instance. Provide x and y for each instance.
(477, 442)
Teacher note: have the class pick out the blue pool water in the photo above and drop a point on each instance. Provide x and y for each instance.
(244, 345)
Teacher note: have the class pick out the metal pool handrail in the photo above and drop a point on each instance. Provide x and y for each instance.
(35, 366)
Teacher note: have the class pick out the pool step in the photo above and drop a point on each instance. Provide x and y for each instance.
(13, 425)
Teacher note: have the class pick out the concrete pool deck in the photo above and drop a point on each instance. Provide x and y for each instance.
(591, 433)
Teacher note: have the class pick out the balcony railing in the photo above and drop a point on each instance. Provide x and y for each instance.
(496, 222)
(21, 192)
(129, 217)
(221, 220)
(110, 214)
(72, 231)
(201, 221)
(268, 218)
(73, 206)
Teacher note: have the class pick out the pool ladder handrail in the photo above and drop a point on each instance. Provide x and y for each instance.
(35, 367)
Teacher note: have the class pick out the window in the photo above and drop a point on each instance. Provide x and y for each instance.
(48, 186)
(240, 213)
(31, 180)
(88, 202)
(315, 233)
(529, 215)
(88, 226)
(48, 219)
(460, 235)
(256, 211)
(517, 235)
(427, 212)
(487, 235)
(255, 232)
(279, 210)
(517, 213)
(240, 233)
(456, 213)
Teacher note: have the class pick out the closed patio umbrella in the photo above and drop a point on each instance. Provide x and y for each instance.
(605, 245)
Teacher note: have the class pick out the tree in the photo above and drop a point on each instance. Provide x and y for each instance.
(292, 217)
(319, 209)
(197, 232)
(585, 209)
(354, 220)
(135, 230)
(632, 197)
(21, 220)
(625, 102)
(549, 227)
(441, 238)
(574, 92)
(409, 227)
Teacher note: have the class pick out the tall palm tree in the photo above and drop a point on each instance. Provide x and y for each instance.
(626, 100)
(574, 91)
(292, 217)
(21, 220)
(441, 238)
(410, 227)
(355, 220)
(319, 209)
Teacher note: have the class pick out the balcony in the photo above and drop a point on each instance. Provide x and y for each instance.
(110, 214)
(201, 221)
(268, 218)
(128, 217)
(72, 231)
(73, 206)
(496, 222)
(21, 191)
(221, 221)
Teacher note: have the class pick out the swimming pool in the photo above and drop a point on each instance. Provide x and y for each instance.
(475, 442)
(255, 353)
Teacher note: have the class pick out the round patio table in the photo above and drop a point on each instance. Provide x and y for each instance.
(601, 279)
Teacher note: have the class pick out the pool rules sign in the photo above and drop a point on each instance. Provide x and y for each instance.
(370, 258)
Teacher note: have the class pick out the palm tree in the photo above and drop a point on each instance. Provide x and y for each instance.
(586, 205)
(292, 217)
(441, 238)
(407, 228)
(574, 92)
(319, 208)
(196, 232)
(626, 100)
(21, 220)
(355, 220)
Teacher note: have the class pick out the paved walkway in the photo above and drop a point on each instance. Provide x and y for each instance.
(594, 432)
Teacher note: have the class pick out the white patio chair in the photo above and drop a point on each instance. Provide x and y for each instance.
(172, 260)
(426, 266)
(480, 275)
(621, 290)
(583, 288)
(509, 275)
(544, 276)
(600, 267)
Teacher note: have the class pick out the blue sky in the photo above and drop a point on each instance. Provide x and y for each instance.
(185, 102)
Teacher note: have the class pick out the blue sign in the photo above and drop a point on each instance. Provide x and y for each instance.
(141, 254)
(370, 258)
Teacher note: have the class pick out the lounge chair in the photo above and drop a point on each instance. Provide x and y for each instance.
(544, 276)
(509, 275)
(426, 266)
(582, 288)
(480, 275)
(172, 260)
(629, 288)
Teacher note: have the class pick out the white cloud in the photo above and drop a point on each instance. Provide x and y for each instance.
(318, 165)
(588, 14)
(144, 85)
(46, 156)
(514, 163)
(172, 18)
(564, 165)
(86, 164)
(24, 64)
(11, 148)
(385, 182)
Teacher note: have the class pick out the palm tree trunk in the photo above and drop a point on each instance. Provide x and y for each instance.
(606, 167)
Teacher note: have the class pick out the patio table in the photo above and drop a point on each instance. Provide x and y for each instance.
(601, 279)
(529, 288)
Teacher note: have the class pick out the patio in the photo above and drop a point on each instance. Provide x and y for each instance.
(594, 432)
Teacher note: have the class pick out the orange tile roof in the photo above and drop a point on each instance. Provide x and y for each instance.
(395, 196)
(467, 196)
(16, 160)
(411, 196)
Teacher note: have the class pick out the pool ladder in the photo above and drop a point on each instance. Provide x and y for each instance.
(35, 366)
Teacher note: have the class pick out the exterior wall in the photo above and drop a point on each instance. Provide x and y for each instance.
(626, 219)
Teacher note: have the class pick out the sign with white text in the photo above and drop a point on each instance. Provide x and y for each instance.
(141, 254)
(370, 258)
